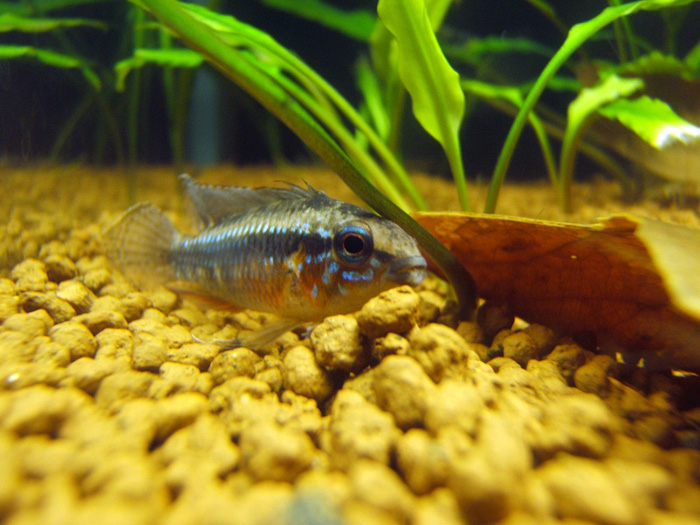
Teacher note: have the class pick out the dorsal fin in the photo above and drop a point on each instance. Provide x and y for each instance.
(216, 203)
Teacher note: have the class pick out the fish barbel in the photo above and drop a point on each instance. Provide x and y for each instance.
(293, 252)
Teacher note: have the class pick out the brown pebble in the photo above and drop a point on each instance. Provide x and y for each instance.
(339, 345)
(97, 278)
(15, 376)
(394, 498)
(60, 268)
(185, 378)
(149, 352)
(76, 337)
(394, 310)
(9, 305)
(177, 411)
(401, 387)
(34, 324)
(454, 403)
(41, 409)
(430, 306)
(422, 461)
(87, 373)
(96, 321)
(30, 276)
(115, 343)
(568, 358)
(440, 351)
(117, 389)
(493, 318)
(272, 452)
(59, 310)
(133, 305)
(53, 353)
(470, 331)
(189, 317)
(359, 429)
(593, 376)
(164, 300)
(303, 375)
(520, 348)
(197, 354)
(75, 293)
(584, 489)
(545, 339)
(390, 344)
(7, 287)
(234, 363)
(205, 441)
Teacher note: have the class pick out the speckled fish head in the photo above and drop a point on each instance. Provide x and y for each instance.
(368, 254)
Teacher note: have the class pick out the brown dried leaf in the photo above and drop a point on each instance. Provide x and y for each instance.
(635, 283)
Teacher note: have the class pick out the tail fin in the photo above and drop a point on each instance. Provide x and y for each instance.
(139, 243)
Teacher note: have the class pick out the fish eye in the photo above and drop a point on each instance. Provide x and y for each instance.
(353, 243)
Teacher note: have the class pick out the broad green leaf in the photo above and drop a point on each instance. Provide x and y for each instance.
(655, 63)
(160, 57)
(653, 120)
(437, 97)
(51, 58)
(592, 99)
(438, 100)
(358, 23)
(12, 22)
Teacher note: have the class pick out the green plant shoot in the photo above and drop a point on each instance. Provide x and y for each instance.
(438, 99)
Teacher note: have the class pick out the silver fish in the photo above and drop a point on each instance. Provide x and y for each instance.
(293, 252)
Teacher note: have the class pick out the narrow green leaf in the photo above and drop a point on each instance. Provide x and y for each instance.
(12, 22)
(185, 58)
(653, 120)
(27, 9)
(438, 99)
(474, 50)
(51, 58)
(358, 23)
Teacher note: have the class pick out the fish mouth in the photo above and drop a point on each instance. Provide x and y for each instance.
(408, 270)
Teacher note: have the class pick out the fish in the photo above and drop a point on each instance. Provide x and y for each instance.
(294, 252)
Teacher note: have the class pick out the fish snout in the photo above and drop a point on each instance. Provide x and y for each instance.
(408, 270)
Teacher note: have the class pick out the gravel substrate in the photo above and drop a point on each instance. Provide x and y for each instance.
(111, 412)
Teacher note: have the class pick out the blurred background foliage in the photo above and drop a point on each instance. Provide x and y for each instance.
(53, 109)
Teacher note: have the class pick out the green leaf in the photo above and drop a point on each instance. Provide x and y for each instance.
(438, 99)
(592, 99)
(653, 120)
(358, 23)
(12, 22)
(475, 50)
(51, 58)
(581, 110)
(160, 57)
(28, 9)
(655, 63)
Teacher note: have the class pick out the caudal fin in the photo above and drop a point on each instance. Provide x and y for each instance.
(139, 243)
